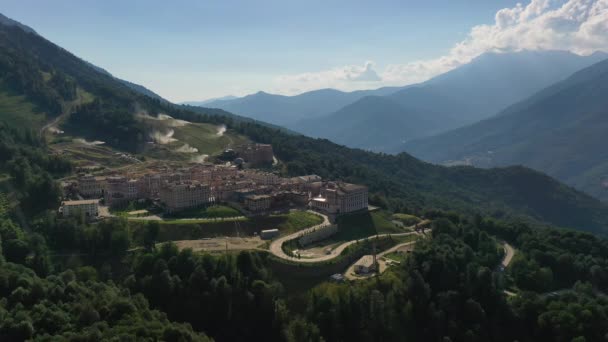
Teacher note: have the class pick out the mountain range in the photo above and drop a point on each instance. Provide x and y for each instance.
(474, 91)
(560, 130)
(212, 100)
(42, 82)
(287, 110)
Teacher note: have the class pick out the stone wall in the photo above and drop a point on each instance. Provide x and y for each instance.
(318, 234)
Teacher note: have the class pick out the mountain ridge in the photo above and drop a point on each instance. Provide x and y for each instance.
(287, 110)
(558, 130)
(459, 97)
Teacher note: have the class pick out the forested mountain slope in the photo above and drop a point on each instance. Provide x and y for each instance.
(560, 130)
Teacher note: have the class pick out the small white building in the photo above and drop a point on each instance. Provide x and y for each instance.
(367, 264)
(90, 208)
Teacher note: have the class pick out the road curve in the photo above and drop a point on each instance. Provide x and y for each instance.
(396, 248)
(276, 247)
(509, 253)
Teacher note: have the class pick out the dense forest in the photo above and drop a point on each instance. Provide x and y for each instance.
(67, 279)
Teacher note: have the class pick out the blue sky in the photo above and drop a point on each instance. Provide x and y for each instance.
(193, 50)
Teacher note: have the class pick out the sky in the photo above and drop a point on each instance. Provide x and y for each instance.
(189, 50)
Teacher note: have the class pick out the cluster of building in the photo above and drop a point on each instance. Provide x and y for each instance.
(205, 184)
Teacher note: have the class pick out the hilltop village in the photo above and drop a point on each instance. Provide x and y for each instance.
(237, 183)
(241, 179)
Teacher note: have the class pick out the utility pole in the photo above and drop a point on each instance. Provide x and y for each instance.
(375, 261)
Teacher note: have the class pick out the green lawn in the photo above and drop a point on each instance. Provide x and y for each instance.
(397, 256)
(204, 137)
(17, 112)
(406, 238)
(132, 206)
(216, 211)
(359, 225)
(299, 220)
(406, 219)
(172, 230)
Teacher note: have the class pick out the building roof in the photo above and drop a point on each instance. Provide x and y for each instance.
(80, 202)
(257, 197)
(270, 230)
(348, 187)
(310, 178)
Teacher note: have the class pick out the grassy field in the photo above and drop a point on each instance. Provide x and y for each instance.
(17, 112)
(83, 154)
(299, 220)
(204, 228)
(406, 219)
(397, 256)
(192, 140)
(359, 225)
(216, 211)
(205, 138)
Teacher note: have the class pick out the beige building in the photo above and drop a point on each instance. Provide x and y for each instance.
(148, 186)
(263, 178)
(258, 203)
(182, 195)
(120, 190)
(90, 208)
(224, 172)
(90, 187)
(340, 198)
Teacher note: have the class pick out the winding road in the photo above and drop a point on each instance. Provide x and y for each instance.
(276, 247)
(509, 253)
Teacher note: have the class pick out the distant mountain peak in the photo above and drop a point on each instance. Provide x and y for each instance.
(4, 20)
(208, 101)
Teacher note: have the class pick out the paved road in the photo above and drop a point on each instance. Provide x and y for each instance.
(276, 247)
(50, 124)
(509, 253)
(409, 245)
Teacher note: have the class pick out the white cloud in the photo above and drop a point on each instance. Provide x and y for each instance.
(580, 26)
(346, 77)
